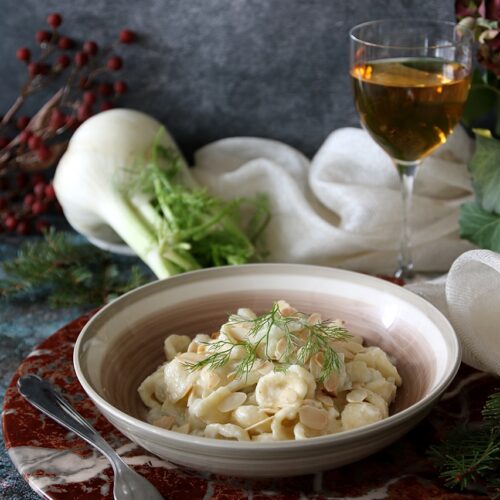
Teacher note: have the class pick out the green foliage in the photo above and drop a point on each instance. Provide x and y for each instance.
(483, 98)
(480, 220)
(197, 229)
(470, 455)
(297, 350)
(485, 169)
(479, 227)
(67, 273)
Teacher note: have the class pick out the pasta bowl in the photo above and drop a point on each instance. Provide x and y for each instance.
(123, 343)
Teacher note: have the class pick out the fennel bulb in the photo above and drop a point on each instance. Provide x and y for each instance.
(123, 177)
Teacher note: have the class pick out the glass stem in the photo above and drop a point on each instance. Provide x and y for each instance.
(407, 171)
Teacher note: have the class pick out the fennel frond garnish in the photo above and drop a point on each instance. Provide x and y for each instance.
(302, 339)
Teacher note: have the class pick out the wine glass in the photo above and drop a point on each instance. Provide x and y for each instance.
(411, 79)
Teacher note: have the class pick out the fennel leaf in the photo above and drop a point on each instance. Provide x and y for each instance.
(194, 228)
(299, 348)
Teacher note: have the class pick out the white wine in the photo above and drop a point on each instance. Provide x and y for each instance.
(410, 106)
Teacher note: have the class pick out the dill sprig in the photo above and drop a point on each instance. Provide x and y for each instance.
(470, 455)
(298, 350)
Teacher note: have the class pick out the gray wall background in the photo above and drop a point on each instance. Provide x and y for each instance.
(216, 68)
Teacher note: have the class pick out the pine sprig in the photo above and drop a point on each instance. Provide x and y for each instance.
(68, 273)
(491, 410)
(471, 454)
(318, 338)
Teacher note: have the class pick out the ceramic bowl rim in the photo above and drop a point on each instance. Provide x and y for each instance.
(182, 440)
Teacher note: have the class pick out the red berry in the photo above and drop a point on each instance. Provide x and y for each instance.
(38, 207)
(127, 36)
(84, 112)
(43, 36)
(23, 228)
(38, 69)
(106, 105)
(81, 59)
(39, 189)
(22, 122)
(89, 98)
(43, 153)
(90, 47)
(34, 69)
(41, 226)
(63, 60)
(50, 193)
(29, 199)
(3, 142)
(105, 89)
(24, 136)
(115, 63)
(54, 20)
(23, 54)
(35, 142)
(120, 87)
(22, 179)
(10, 222)
(57, 119)
(65, 43)
(3, 203)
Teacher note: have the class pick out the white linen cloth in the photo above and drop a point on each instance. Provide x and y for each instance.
(343, 208)
(470, 297)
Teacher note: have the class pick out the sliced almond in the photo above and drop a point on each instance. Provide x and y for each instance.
(232, 402)
(281, 348)
(193, 347)
(314, 369)
(186, 391)
(340, 347)
(270, 410)
(314, 319)
(202, 348)
(313, 418)
(316, 364)
(166, 422)
(285, 308)
(239, 332)
(330, 384)
(265, 368)
(319, 359)
(356, 396)
(326, 400)
(183, 428)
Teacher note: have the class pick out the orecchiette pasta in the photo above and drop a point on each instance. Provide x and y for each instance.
(280, 376)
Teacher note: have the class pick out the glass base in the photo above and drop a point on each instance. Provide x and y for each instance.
(405, 273)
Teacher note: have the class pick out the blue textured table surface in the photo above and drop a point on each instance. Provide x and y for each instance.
(23, 324)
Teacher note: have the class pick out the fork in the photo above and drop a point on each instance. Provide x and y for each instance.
(128, 485)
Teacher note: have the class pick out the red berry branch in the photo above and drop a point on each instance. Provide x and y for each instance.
(31, 144)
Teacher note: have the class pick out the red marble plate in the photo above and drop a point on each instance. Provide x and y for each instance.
(59, 465)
